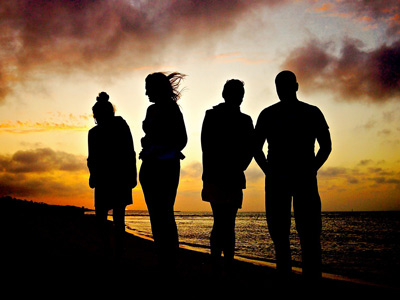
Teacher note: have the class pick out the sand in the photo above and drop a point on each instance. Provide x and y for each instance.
(58, 248)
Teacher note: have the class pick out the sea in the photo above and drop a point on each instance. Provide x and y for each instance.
(355, 245)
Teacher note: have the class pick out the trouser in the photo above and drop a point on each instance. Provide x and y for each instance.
(159, 180)
(279, 192)
(222, 239)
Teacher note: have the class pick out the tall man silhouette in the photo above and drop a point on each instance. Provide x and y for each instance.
(290, 128)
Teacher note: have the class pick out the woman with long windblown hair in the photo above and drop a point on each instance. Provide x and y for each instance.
(165, 137)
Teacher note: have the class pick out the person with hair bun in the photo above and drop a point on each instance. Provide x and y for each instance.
(165, 138)
(112, 166)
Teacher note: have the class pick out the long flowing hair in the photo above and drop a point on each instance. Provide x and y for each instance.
(167, 83)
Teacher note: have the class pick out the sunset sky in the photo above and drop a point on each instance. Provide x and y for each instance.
(56, 56)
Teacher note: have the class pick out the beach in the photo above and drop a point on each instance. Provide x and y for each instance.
(59, 247)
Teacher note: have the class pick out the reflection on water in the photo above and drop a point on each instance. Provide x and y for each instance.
(357, 244)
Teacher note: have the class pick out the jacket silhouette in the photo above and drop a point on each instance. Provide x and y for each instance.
(112, 163)
(227, 138)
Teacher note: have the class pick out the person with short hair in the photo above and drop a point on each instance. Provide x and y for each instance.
(227, 145)
(291, 128)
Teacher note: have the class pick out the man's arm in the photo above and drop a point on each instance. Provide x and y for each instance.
(325, 149)
(259, 141)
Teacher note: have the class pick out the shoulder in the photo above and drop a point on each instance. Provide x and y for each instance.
(94, 134)
(272, 108)
(270, 111)
(309, 107)
(314, 114)
(120, 120)
(211, 116)
(151, 108)
(93, 130)
(246, 118)
(211, 112)
(121, 123)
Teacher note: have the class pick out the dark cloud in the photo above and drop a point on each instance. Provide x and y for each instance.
(103, 35)
(385, 10)
(43, 172)
(41, 160)
(354, 74)
(19, 185)
(361, 174)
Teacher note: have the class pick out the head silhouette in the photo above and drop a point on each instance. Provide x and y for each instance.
(233, 92)
(162, 88)
(286, 86)
(103, 110)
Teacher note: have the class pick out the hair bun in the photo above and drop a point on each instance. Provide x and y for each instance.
(102, 97)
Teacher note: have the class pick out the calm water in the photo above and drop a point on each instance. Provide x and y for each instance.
(363, 245)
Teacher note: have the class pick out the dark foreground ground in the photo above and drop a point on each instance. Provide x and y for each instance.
(56, 250)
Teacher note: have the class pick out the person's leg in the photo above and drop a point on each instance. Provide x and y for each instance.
(278, 213)
(119, 231)
(160, 181)
(148, 177)
(216, 233)
(307, 210)
(229, 216)
(103, 229)
(169, 238)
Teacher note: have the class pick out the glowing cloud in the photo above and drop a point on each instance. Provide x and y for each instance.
(43, 174)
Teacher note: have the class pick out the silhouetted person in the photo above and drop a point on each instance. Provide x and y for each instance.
(112, 166)
(227, 145)
(290, 128)
(165, 137)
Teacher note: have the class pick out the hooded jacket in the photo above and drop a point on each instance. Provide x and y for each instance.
(227, 140)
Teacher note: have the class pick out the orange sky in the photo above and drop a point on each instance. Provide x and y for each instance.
(57, 56)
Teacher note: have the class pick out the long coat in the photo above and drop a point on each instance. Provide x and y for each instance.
(112, 163)
(227, 144)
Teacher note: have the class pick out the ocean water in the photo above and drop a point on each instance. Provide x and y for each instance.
(361, 245)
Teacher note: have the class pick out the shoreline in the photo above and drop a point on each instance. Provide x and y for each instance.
(272, 265)
(50, 246)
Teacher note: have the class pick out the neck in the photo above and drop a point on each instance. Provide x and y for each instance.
(290, 99)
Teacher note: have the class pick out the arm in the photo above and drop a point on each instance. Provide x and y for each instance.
(90, 162)
(249, 145)
(325, 148)
(259, 140)
(131, 158)
(204, 134)
(183, 138)
(259, 155)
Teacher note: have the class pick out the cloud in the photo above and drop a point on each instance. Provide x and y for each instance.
(355, 74)
(41, 160)
(366, 172)
(29, 127)
(21, 127)
(370, 12)
(238, 57)
(324, 7)
(44, 173)
(55, 121)
(194, 170)
(104, 36)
